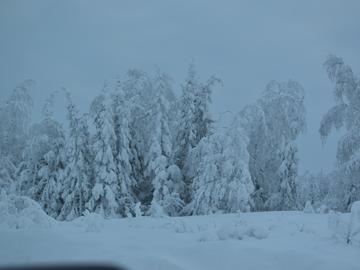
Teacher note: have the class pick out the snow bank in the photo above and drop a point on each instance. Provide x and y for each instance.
(90, 222)
(19, 212)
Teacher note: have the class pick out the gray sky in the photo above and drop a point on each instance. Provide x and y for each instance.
(80, 44)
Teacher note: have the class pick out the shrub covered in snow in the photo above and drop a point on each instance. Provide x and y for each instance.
(18, 212)
(323, 209)
(93, 222)
(230, 232)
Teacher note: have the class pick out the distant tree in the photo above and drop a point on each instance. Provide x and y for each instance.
(15, 117)
(317, 189)
(15, 114)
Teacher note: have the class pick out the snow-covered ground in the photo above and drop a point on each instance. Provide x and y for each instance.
(271, 240)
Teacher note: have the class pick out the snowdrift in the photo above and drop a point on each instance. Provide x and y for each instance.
(18, 212)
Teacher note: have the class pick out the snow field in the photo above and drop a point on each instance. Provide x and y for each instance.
(269, 240)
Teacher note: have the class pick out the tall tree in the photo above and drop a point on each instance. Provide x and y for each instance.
(194, 120)
(15, 114)
(252, 119)
(15, 119)
(166, 194)
(345, 114)
(121, 112)
(105, 193)
(137, 91)
(79, 173)
(186, 137)
(42, 170)
(271, 125)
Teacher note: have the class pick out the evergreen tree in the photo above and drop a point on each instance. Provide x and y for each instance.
(186, 137)
(79, 173)
(123, 152)
(194, 123)
(42, 171)
(105, 193)
(166, 194)
(137, 91)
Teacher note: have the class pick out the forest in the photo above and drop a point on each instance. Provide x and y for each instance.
(141, 150)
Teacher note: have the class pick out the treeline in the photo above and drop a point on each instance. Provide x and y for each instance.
(141, 150)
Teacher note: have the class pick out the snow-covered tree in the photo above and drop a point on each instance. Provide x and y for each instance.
(78, 180)
(222, 182)
(51, 178)
(121, 112)
(345, 114)
(186, 135)
(271, 125)
(42, 171)
(166, 194)
(15, 117)
(316, 188)
(15, 113)
(203, 120)
(138, 94)
(285, 199)
(194, 122)
(252, 119)
(7, 175)
(104, 197)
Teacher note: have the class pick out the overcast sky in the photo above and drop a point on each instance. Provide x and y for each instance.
(80, 44)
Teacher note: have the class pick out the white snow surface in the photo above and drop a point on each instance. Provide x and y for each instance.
(270, 240)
